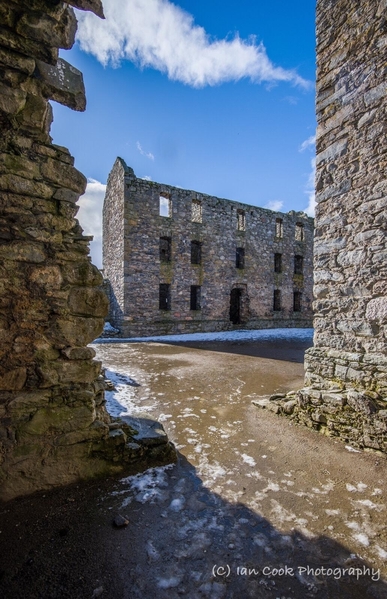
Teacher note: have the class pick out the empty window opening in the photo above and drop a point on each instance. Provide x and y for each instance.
(277, 262)
(195, 297)
(277, 300)
(298, 265)
(197, 211)
(165, 249)
(279, 228)
(297, 296)
(165, 205)
(165, 296)
(299, 232)
(240, 258)
(241, 220)
(196, 252)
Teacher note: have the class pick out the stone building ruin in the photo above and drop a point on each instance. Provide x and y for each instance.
(346, 370)
(179, 261)
(54, 428)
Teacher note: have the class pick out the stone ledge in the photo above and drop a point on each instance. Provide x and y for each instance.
(357, 418)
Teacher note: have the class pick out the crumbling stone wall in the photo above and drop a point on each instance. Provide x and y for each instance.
(346, 370)
(54, 427)
(133, 227)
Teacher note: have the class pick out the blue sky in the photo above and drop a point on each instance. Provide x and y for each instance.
(215, 96)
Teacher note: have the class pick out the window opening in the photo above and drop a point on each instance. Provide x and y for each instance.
(241, 220)
(298, 265)
(197, 211)
(195, 297)
(165, 208)
(165, 296)
(240, 258)
(196, 252)
(297, 295)
(165, 249)
(277, 262)
(279, 228)
(277, 300)
(299, 232)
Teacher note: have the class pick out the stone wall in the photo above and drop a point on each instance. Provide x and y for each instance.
(346, 370)
(133, 263)
(54, 428)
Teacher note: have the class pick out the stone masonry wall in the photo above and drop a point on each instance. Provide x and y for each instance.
(346, 370)
(54, 428)
(133, 227)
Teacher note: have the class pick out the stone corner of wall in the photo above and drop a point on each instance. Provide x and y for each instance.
(54, 427)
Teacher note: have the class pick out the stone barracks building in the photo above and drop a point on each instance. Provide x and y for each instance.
(179, 261)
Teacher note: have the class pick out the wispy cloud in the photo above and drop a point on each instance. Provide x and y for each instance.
(147, 154)
(147, 178)
(310, 190)
(275, 205)
(308, 143)
(90, 217)
(161, 35)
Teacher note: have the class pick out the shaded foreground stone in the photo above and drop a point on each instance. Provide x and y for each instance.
(54, 428)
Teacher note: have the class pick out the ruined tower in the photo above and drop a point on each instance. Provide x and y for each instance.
(349, 355)
(180, 261)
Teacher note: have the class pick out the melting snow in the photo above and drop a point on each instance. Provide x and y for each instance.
(360, 487)
(302, 334)
(248, 459)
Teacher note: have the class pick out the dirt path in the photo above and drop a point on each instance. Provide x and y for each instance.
(255, 507)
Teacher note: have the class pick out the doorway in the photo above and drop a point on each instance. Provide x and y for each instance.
(235, 305)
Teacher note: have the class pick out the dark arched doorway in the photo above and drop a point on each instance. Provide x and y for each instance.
(235, 305)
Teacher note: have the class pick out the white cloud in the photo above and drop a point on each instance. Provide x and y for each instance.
(147, 178)
(308, 143)
(310, 190)
(90, 217)
(142, 151)
(159, 34)
(275, 205)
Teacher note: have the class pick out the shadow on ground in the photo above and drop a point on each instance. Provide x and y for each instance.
(182, 540)
(276, 349)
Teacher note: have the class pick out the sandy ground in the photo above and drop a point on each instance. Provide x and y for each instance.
(255, 507)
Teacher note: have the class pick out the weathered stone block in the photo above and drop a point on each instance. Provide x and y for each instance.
(12, 101)
(47, 30)
(64, 175)
(77, 330)
(82, 273)
(57, 420)
(79, 353)
(16, 61)
(65, 372)
(22, 405)
(360, 402)
(23, 251)
(13, 380)
(30, 48)
(88, 301)
(66, 195)
(63, 83)
(94, 6)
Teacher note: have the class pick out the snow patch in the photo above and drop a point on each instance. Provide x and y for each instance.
(244, 335)
(248, 459)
